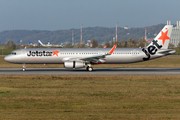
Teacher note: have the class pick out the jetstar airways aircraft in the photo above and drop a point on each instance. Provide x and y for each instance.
(81, 57)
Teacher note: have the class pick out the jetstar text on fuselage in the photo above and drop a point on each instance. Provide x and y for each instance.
(39, 53)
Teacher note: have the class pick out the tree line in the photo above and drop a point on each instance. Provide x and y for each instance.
(131, 43)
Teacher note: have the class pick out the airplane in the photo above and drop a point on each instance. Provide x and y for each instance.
(46, 45)
(30, 43)
(74, 58)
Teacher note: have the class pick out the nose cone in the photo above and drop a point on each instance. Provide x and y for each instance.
(8, 59)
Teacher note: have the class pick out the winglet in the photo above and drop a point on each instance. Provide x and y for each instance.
(112, 50)
(105, 46)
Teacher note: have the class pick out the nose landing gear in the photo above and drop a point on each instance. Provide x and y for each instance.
(24, 67)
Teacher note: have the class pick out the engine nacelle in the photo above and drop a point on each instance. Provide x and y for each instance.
(74, 64)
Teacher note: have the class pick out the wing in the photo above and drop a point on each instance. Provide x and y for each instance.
(91, 59)
(98, 58)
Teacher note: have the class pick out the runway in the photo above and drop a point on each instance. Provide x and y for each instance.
(96, 71)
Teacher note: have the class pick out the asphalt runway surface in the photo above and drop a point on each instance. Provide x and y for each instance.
(96, 71)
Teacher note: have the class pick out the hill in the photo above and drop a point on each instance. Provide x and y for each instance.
(101, 34)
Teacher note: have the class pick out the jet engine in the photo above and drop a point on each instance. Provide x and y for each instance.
(74, 64)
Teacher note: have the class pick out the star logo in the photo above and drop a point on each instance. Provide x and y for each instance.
(55, 53)
(164, 36)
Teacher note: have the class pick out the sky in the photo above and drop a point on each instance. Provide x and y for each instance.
(70, 14)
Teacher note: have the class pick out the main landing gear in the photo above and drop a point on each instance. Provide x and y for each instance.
(24, 67)
(89, 68)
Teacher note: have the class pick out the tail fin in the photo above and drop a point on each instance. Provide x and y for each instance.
(49, 43)
(40, 43)
(30, 42)
(161, 41)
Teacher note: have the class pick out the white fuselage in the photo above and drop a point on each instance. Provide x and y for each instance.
(47, 55)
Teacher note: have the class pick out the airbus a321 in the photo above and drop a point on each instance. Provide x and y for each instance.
(85, 57)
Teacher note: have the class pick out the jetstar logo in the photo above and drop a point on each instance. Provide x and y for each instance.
(164, 36)
(55, 53)
(42, 53)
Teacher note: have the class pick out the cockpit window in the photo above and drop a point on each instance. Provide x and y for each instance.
(13, 53)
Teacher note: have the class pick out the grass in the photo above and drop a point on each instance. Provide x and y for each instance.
(90, 97)
(4, 51)
(169, 61)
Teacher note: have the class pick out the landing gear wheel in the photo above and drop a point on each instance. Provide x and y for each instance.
(23, 69)
(89, 69)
